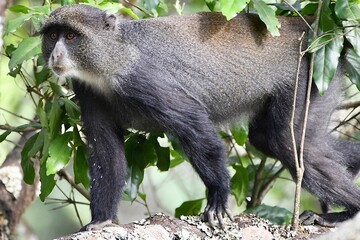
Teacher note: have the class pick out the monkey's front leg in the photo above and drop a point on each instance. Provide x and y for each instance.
(108, 173)
(205, 151)
(107, 161)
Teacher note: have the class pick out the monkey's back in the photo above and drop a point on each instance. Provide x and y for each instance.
(221, 63)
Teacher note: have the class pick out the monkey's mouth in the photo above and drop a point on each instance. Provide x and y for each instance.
(58, 70)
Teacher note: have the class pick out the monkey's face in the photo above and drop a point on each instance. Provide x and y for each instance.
(58, 50)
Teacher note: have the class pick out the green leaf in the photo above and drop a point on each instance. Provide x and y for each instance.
(38, 144)
(230, 8)
(240, 184)
(177, 159)
(139, 151)
(327, 58)
(41, 114)
(162, 153)
(20, 9)
(77, 138)
(59, 153)
(189, 208)
(4, 135)
(41, 76)
(211, 4)
(142, 196)
(71, 108)
(275, 214)
(81, 167)
(240, 134)
(26, 162)
(130, 12)
(348, 10)
(27, 49)
(353, 66)
(45, 150)
(353, 34)
(135, 178)
(57, 89)
(55, 117)
(16, 23)
(176, 145)
(67, 2)
(267, 15)
(47, 182)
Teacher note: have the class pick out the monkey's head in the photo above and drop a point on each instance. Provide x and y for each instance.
(79, 41)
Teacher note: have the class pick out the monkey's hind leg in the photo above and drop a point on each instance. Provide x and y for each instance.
(326, 177)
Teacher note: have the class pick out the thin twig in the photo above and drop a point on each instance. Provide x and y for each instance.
(16, 115)
(17, 129)
(254, 196)
(138, 8)
(295, 223)
(62, 173)
(299, 14)
(300, 171)
(267, 186)
(75, 207)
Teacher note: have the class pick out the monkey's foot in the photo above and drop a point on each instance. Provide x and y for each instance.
(211, 212)
(324, 219)
(97, 225)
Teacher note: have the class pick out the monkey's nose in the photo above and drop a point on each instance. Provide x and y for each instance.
(56, 56)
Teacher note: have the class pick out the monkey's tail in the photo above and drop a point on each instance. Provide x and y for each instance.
(327, 155)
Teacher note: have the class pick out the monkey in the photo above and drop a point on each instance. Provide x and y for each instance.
(186, 75)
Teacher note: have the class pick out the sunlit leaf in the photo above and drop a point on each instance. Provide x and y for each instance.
(230, 8)
(240, 134)
(267, 15)
(240, 184)
(177, 159)
(353, 34)
(59, 153)
(353, 66)
(27, 49)
(347, 10)
(14, 24)
(20, 9)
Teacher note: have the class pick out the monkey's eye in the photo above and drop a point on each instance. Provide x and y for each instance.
(53, 36)
(70, 36)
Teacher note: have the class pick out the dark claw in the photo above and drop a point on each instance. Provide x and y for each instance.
(210, 212)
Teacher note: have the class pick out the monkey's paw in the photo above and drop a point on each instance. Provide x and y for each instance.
(324, 219)
(215, 209)
(98, 225)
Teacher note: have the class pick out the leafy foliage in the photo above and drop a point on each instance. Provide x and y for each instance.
(58, 140)
(274, 214)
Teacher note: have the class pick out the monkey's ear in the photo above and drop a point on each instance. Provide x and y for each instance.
(109, 21)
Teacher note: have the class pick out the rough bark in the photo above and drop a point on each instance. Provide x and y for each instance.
(161, 227)
(15, 194)
(4, 4)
